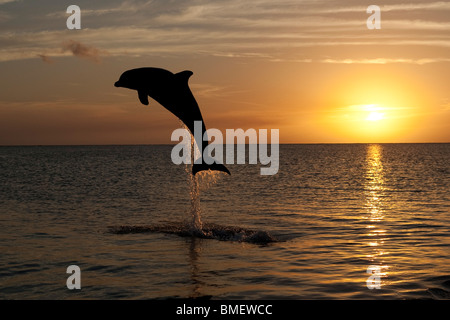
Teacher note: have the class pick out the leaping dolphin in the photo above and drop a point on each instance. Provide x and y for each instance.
(173, 93)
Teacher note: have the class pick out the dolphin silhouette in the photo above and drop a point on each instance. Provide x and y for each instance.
(173, 93)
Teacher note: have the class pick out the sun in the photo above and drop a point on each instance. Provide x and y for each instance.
(375, 116)
(381, 108)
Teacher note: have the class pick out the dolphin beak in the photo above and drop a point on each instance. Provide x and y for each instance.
(117, 84)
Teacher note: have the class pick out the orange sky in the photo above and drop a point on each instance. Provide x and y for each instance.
(310, 69)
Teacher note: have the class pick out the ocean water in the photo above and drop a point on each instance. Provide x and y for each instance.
(122, 214)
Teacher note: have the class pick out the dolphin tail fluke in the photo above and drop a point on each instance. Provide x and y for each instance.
(197, 167)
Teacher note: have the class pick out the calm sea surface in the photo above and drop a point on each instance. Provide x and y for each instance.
(334, 210)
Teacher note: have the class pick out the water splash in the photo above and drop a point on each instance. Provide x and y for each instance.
(193, 225)
(199, 182)
(208, 178)
(193, 219)
(195, 213)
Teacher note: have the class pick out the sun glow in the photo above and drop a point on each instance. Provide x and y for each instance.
(373, 110)
(370, 122)
(375, 116)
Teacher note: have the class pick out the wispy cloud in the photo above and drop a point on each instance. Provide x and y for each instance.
(82, 51)
(125, 7)
(445, 106)
(386, 61)
(440, 5)
(4, 16)
(261, 29)
(7, 1)
(45, 58)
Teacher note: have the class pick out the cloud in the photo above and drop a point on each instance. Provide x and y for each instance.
(7, 1)
(417, 6)
(126, 7)
(4, 16)
(45, 58)
(262, 29)
(135, 41)
(386, 61)
(82, 51)
(387, 8)
(445, 106)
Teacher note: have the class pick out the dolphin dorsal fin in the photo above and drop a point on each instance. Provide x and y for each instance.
(184, 76)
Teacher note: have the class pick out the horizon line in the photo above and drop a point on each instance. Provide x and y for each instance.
(167, 144)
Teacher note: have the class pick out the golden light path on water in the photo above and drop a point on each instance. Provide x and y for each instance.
(375, 206)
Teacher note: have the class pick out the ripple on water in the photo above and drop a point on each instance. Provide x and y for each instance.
(208, 231)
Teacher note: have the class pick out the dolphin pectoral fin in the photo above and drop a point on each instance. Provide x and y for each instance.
(143, 97)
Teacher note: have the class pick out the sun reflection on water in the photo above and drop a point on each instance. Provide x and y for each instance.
(375, 206)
